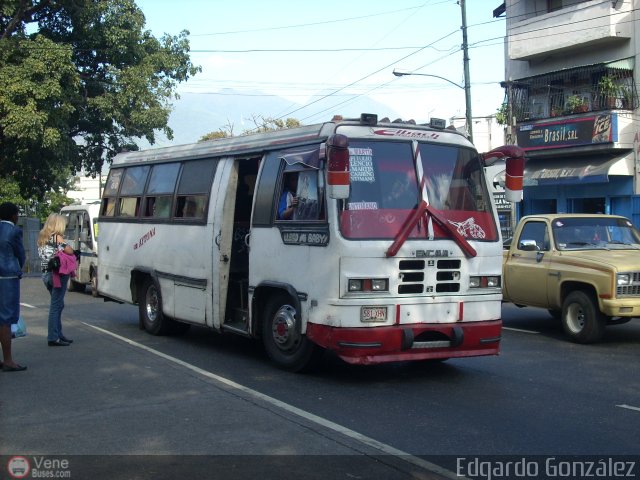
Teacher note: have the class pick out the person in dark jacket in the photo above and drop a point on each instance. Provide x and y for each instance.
(12, 258)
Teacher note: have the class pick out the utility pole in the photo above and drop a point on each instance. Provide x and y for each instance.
(467, 81)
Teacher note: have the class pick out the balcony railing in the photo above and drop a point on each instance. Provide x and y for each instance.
(573, 91)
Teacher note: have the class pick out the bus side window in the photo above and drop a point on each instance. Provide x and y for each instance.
(157, 207)
(162, 184)
(129, 206)
(131, 190)
(86, 230)
(191, 206)
(111, 188)
(194, 187)
(309, 202)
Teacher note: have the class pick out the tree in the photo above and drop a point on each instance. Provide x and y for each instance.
(502, 114)
(268, 124)
(223, 132)
(53, 201)
(262, 124)
(79, 80)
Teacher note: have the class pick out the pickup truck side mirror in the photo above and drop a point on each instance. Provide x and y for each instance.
(528, 245)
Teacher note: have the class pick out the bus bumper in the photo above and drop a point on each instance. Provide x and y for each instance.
(368, 346)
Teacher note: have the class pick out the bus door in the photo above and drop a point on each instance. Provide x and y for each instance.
(224, 190)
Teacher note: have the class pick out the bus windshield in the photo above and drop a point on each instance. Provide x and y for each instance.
(385, 189)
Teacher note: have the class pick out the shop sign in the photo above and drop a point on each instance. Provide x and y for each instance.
(567, 133)
(501, 201)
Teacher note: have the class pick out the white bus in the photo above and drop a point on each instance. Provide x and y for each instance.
(82, 234)
(393, 252)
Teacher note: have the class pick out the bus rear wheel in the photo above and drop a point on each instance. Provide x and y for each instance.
(94, 283)
(283, 342)
(150, 309)
(77, 286)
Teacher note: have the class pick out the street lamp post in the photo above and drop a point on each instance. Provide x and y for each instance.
(467, 96)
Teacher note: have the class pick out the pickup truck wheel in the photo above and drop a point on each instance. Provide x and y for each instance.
(582, 321)
(288, 348)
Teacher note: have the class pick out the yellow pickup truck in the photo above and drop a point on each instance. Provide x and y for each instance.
(584, 269)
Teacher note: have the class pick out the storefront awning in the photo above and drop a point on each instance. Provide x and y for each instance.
(572, 170)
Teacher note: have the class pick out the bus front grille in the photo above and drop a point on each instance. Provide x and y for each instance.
(429, 276)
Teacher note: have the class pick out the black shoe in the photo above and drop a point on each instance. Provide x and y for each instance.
(65, 339)
(58, 343)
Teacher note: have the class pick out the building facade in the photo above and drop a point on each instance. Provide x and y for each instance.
(571, 95)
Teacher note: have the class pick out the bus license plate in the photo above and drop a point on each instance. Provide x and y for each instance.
(373, 314)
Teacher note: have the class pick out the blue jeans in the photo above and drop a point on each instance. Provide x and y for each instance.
(56, 306)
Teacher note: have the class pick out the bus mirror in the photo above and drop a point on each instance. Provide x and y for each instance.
(513, 179)
(338, 167)
(514, 173)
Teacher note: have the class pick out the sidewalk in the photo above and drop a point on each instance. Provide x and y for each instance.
(111, 408)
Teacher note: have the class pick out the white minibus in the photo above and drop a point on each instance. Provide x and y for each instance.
(82, 235)
(391, 250)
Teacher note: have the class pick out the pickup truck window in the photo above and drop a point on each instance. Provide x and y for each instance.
(586, 233)
(535, 232)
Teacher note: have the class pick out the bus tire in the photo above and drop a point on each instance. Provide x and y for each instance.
(150, 309)
(94, 283)
(77, 286)
(286, 347)
(582, 321)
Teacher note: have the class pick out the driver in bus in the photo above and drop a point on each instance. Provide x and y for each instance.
(288, 199)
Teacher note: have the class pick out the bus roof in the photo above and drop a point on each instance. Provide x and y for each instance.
(277, 139)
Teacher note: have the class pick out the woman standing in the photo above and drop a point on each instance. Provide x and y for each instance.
(12, 258)
(50, 243)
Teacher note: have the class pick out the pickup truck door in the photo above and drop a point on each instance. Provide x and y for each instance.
(526, 268)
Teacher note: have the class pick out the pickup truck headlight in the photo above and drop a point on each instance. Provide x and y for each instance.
(623, 279)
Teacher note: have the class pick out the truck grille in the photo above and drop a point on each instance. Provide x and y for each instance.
(632, 290)
(429, 276)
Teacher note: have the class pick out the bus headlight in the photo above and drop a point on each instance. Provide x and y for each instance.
(489, 281)
(368, 285)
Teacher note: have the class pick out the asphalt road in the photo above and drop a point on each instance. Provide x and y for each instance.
(118, 391)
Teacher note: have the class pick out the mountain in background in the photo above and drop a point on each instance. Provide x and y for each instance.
(195, 115)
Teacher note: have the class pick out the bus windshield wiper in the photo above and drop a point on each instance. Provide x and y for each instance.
(406, 228)
(415, 217)
(466, 247)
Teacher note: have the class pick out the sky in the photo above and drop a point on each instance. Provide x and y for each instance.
(322, 55)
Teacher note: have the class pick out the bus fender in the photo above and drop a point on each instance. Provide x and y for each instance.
(137, 276)
(264, 289)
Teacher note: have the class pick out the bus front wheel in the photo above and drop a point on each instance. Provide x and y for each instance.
(282, 340)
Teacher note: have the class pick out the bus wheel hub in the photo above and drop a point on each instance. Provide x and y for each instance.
(284, 327)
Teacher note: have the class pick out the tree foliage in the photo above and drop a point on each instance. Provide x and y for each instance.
(52, 200)
(269, 124)
(262, 124)
(502, 114)
(79, 80)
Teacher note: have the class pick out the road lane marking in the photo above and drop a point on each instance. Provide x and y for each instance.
(519, 330)
(27, 305)
(384, 448)
(629, 407)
